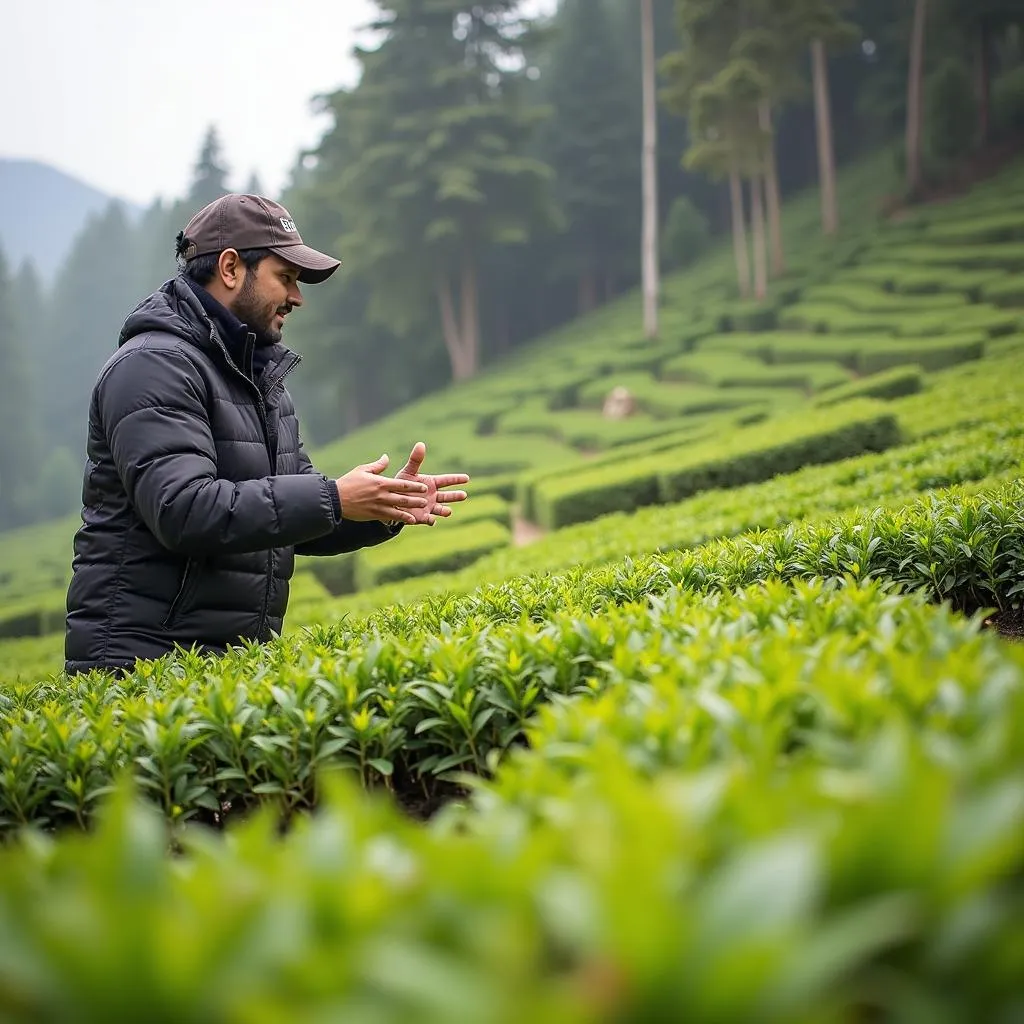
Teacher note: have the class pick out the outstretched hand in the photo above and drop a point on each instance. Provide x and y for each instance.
(437, 499)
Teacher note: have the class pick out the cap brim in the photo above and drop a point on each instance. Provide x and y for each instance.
(316, 266)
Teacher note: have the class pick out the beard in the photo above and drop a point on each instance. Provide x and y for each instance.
(257, 313)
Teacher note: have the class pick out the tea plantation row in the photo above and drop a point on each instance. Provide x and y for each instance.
(962, 429)
(987, 393)
(409, 705)
(793, 802)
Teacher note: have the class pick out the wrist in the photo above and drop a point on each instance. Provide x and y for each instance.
(334, 490)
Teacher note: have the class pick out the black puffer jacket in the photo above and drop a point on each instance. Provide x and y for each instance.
(197, 492)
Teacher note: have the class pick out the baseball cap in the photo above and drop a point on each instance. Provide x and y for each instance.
(237, 221)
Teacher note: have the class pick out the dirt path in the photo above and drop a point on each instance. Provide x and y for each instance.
(524, 532)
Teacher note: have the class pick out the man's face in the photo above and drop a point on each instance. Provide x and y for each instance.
(269, 293)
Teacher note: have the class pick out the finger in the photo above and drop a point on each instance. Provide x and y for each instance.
(407, 501)
(416, 457)
(441, 510)
(448, 497)
(450, 480)
(399, 513)
(377, 467)
(398, 486)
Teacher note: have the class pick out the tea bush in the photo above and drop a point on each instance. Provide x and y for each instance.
(745, 455)
(414, 693)
(894, 383)
(969, 457)
(444, 550)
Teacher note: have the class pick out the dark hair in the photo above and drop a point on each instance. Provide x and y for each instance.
(202, 268)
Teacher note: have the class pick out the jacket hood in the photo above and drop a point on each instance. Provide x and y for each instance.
(172, 309)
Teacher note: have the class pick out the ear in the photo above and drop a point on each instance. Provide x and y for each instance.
(230, 269)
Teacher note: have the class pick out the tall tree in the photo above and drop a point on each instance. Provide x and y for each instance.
(981, 23)
(441, 169)
(821, 25)
(96, 289)
(354, 369)
(722, 94)
(915, 98)
(768, 36)
(826, 145)
(650, 174)
(209, 175)
(18, 410)
(254, 187)
(589, 143)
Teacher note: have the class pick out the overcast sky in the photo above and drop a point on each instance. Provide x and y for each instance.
(119, 93)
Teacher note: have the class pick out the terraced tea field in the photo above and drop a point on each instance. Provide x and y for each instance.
(739, 736)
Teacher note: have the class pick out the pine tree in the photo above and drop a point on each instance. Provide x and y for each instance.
(18, 410)
(722, 95)
(254, 187)
(441, 169)
(591, 142)
(96, 289)
(354, 369)
(982, 22)
(915, 99)
(209, 175)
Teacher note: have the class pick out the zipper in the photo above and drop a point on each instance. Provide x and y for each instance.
(261, 406)
(277, 382)
(186, 579)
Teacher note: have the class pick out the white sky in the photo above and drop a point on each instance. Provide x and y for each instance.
(119, 93)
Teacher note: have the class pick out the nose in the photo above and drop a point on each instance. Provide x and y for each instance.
(294, 295)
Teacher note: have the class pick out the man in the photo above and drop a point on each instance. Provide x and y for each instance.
(198, 492)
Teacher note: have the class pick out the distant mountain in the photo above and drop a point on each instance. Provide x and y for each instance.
(42, 210)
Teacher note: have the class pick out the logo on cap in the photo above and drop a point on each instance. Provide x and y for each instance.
(288, 225)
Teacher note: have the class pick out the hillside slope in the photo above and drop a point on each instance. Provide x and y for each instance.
(862, 337)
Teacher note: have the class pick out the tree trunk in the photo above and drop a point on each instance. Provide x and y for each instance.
(826, 145)
(771, 185)
(984, 85)
(649, 256)
(587, 299)
(760, 246)
(609, 284)
(739, 233)
(915, 98)
(454, 334)
(470, 313)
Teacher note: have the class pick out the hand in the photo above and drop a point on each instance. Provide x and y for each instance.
(367, 495)
(437, 500)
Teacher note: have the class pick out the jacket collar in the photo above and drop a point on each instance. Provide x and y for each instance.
(242, 344)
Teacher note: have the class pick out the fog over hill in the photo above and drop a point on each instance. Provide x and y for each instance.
(42, 209)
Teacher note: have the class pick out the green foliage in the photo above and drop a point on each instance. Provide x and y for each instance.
(481, 526)
(1006, 291)
(746, 455)
(209, 175)
(589, 882)
(60, 484)
(866, 299)
(590, 141)
(19, 404)
(736, 370)
(893, 383)
(949, 134)
(443, 551)
(685, 235)
(439, 134)
(1008, 103)
(419, 700)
